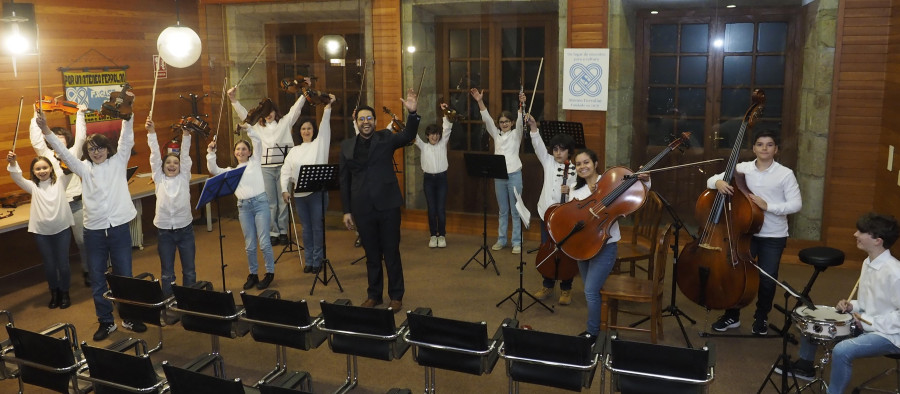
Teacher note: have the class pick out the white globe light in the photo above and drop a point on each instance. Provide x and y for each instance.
(16, 44)
(178, 46)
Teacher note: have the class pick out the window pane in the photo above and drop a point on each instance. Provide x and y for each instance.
(479, 74)
(534, 36)
(694, 38)
(354, 46)
(661, 100)
(739, 37)
(512, 75)
(735, 102)
(303, 46)
(768, 125)
(692, 101)
(736, 70)
(284, 45)
(662, 69)
(458, 44)
(728, 132)
(478, 139)
(657, 131)
(478, 47)
(695, 127)
(458, 137)
(458, 73)
(531, 70)
(335, 77)
(770, 70)
(512, 42)
(772, 37)
(663, 38)
(510, 103)
(692, 70)
(774, 103)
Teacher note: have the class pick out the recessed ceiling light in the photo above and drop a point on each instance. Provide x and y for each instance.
(654, 12)
(730, 6)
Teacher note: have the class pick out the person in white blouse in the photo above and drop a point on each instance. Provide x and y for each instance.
(434, 165)
(776, 191)
(876, 309)
(507, 142)
(173, 219)
(50, 222)
(312, 148)
(275, 135)
(107, 211)
(252, 203)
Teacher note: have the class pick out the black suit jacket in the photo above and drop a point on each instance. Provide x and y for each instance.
(372, 185)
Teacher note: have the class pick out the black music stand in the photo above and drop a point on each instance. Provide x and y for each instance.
(550, 128)
(218, 186)
(516, 295)
(320, 178)
(485, 166)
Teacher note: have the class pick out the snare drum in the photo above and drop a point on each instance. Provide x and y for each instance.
(824, 323)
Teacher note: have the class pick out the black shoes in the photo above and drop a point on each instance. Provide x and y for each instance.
(316, 270)
(104, 331)
(252, 280)
(801, 369)
(54, 299)
(282, 239)
(273, 241)
(760, 327)
(64, 300)
(307, 269)
(133, 325)
(267, 280)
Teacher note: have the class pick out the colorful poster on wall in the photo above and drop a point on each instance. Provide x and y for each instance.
(92, 88)
(586, 79)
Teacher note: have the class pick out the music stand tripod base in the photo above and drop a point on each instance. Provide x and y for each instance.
(485, 166)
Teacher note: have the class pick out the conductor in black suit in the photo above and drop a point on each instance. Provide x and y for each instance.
(371, 198)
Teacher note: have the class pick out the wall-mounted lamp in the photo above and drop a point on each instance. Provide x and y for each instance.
(19, 29)
(333, 48)
(179, 46)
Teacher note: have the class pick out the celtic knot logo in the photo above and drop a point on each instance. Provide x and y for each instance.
(78, 95)
(585, 79)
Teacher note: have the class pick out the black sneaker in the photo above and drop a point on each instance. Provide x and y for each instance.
(267, 280)
(800, 369)
(283, 239)
(316, 269)
(307, 269)
(87, 279)
(760, 327)
(252, 280)
(273, 241)
(133, 325)
(726, 323)
(104, 331)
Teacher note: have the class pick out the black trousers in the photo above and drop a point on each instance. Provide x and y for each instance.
(379, 232)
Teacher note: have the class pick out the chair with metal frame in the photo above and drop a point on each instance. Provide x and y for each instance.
(45, 360)
(549, 359)
(114, 371)
(5, 347)
(646, 368)
(895, 370)
(367, 332)
(188, 381)
(140, 299)
(285, 324)
(642, 243)
(452, 345)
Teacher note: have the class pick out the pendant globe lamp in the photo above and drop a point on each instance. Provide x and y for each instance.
(179, 46)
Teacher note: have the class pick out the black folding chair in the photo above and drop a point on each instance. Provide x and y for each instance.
(186, 381)
(549, 359)
(140, 299)
(114, 371)
(638, 367)
(45, 360)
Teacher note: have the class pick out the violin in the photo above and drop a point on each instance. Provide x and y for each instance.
(194, 125)
(452, 115)
(119, 104)
(716, 270)
(52, 104)
(397, 125)
(581, 227)
(550, 261)
(299, 85)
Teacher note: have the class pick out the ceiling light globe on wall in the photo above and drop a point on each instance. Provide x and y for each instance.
(179, 46)
(332, 47)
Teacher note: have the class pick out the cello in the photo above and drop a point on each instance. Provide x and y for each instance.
(586, 222)
(716, 270)
(550, 262)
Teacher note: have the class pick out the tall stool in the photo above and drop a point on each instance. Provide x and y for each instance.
(895, 371)
(820, 257)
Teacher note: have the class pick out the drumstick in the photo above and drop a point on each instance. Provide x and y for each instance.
(856, 286)
(858, 317)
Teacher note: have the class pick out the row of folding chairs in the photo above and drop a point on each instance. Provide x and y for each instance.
(534, 357)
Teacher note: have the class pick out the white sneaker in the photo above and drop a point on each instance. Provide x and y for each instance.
(441, 241)
(433, 242)
(498, 246)
(517, 249)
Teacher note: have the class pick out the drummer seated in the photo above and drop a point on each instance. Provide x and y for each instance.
(876, 311)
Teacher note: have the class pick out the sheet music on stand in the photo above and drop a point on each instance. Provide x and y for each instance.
(275, 154)
(550, 128)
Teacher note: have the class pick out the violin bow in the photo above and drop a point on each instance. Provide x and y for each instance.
(536, 80)
(419, 90)
(37, 44)
(155, 78)
(221, 108)
(19, 118)
(362, 85)
(255, 60)
(672, 167)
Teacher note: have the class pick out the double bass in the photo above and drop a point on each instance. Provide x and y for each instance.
(550, 261)
(716, 270)
(581, 227)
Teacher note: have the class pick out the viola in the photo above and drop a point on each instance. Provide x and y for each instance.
(397, 125)
(119, 104)
(716, 270)
(51, 104)
(581, 227)
(550, 261)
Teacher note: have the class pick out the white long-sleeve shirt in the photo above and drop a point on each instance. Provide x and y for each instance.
(434, 157)
(315, 152)
(104, 186)
(878, 300)
(275, 135)
(50, 211)
(553, 175)
(506, 144)
(251, 184)
(778, 186)
(173, 193)
(41, 148)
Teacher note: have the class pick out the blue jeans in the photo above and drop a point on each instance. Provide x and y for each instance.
(278, 209)
(506, 200)
(310, 210)
(436, 197)
(767, 252)
(594, 273)
(168, 241)
(112, 244)
(550, 282)
(55, 256)
(253, 214)
(868, 344)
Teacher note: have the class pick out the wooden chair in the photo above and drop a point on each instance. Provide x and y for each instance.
(627, 288)
(642, 245)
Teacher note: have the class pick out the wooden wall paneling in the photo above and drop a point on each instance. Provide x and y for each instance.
(587, 28)
(887, 188)
(387, 49)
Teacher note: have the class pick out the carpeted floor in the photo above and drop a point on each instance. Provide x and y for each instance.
(433, 279)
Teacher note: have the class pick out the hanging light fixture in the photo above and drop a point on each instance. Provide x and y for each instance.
(19, 31)
(179, 46)
(333, 48)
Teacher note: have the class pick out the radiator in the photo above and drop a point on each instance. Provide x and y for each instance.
(137, 233)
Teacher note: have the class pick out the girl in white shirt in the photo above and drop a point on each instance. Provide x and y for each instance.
(312, 149)
(434, 165)
(507, 141)
(173, 218)
(252, 203)
(50, 221)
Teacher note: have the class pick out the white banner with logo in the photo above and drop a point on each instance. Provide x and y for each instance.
(586, 79)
